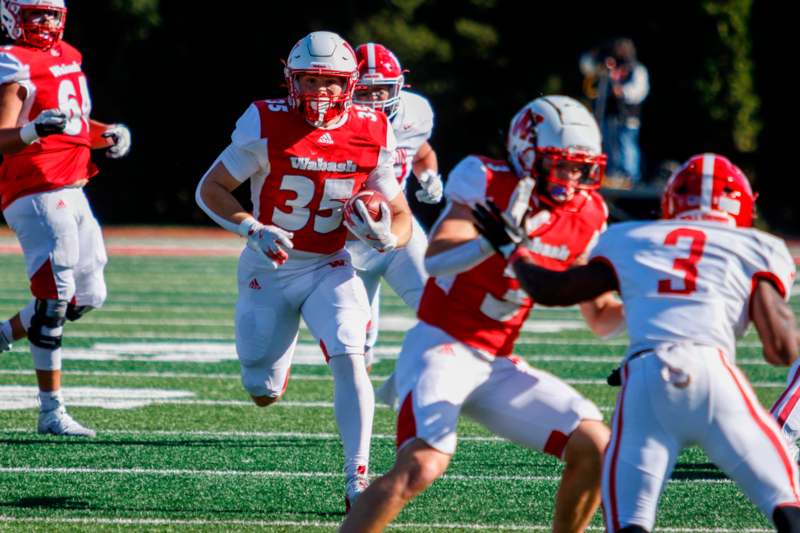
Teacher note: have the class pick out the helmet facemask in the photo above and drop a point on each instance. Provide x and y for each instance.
(40, 25)
(562, 172)
(320, 107)
(366, 89)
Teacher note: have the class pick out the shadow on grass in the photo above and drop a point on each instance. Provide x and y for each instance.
(48, 502)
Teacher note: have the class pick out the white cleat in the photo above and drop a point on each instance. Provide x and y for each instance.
(58, 422)
(355, 485)
(387, 393)
(5, 343)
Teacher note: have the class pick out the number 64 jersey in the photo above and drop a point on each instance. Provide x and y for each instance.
(691, 281)
(51, 79)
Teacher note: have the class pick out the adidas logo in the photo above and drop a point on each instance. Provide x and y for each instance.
(325, 138)
(254, 284)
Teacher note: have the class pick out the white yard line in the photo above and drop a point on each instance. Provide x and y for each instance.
(284, 474)
(331, 525)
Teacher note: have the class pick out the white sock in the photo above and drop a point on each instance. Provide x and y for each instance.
(50, 400)
(354, 408)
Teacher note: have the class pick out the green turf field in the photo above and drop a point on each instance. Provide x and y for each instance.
(183, 449)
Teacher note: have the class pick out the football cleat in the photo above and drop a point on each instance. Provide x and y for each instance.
(354, 486)
(58, 422)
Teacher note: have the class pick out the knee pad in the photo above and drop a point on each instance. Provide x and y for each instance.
(74, 312)
(787, 519)
(47, 324)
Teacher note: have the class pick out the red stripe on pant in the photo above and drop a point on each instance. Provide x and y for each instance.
(612, 476)
(325, 352)
(784, 413)
(772, 436)
(43, 282)
(406, 424)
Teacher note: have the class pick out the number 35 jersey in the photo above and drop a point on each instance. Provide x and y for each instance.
(300, 175)
(51, 80)
(691, 281)
(484, 307)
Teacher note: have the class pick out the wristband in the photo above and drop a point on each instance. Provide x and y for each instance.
(245, 226)
(27, 133)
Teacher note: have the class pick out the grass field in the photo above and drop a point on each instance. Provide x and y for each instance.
(183, 449)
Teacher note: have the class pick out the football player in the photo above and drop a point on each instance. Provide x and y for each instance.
(458, 358)
(305, 156)
(691, 284)
(380, 87)
(46, 136)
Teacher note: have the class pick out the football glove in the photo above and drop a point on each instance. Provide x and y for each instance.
(271, 241)
(431, 187)
(48, 122)
(491, 223)
(375, 233)
(120, 136)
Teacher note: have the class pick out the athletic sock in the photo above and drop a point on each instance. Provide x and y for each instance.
(354, 408)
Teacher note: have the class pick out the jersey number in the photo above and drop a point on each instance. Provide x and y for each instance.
(78, 113)
(687, 265)
(508, 306)
(334, 194)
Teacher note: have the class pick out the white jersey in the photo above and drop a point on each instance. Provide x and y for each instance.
(691, 281)
(412, 125)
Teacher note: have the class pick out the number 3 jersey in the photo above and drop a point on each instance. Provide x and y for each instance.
(691, 281)
(300, 175)
(51, 80)
(485, 307)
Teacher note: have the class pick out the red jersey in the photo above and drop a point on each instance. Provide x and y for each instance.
(485, 306)
(302, 175)
(53, 80)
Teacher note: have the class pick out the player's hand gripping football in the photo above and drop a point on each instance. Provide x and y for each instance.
(271, 241)
(502, 235)
(431, 189)
(120, 137)
(375, 233)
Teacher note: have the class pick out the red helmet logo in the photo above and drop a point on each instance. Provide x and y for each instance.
(709, 187)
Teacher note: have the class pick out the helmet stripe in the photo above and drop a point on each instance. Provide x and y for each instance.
(371, 58)
(708, 181)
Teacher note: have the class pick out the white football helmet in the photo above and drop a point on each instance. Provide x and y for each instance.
(553, 132)
(325, 54)
(20, 26)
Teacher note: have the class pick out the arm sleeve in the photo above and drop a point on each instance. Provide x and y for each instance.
(247, 153)
(466, 183)
(638, 87)
(12, 70)
(782, 270)
(382, 178)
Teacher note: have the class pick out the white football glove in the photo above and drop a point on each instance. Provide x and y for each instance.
(271, 241)
(431, 183)
(48, 122)
(120, 136)
(377, 234)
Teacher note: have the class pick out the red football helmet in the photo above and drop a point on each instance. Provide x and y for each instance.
(21, 22)
(321, 53)
(378, 67)
(709, 187)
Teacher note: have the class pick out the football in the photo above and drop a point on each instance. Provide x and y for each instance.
(372, 201)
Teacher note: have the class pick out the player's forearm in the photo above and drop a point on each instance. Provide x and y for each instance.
(401, 226)
(458, 258)
(425, 159)
(220, 205)
(10, 141)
